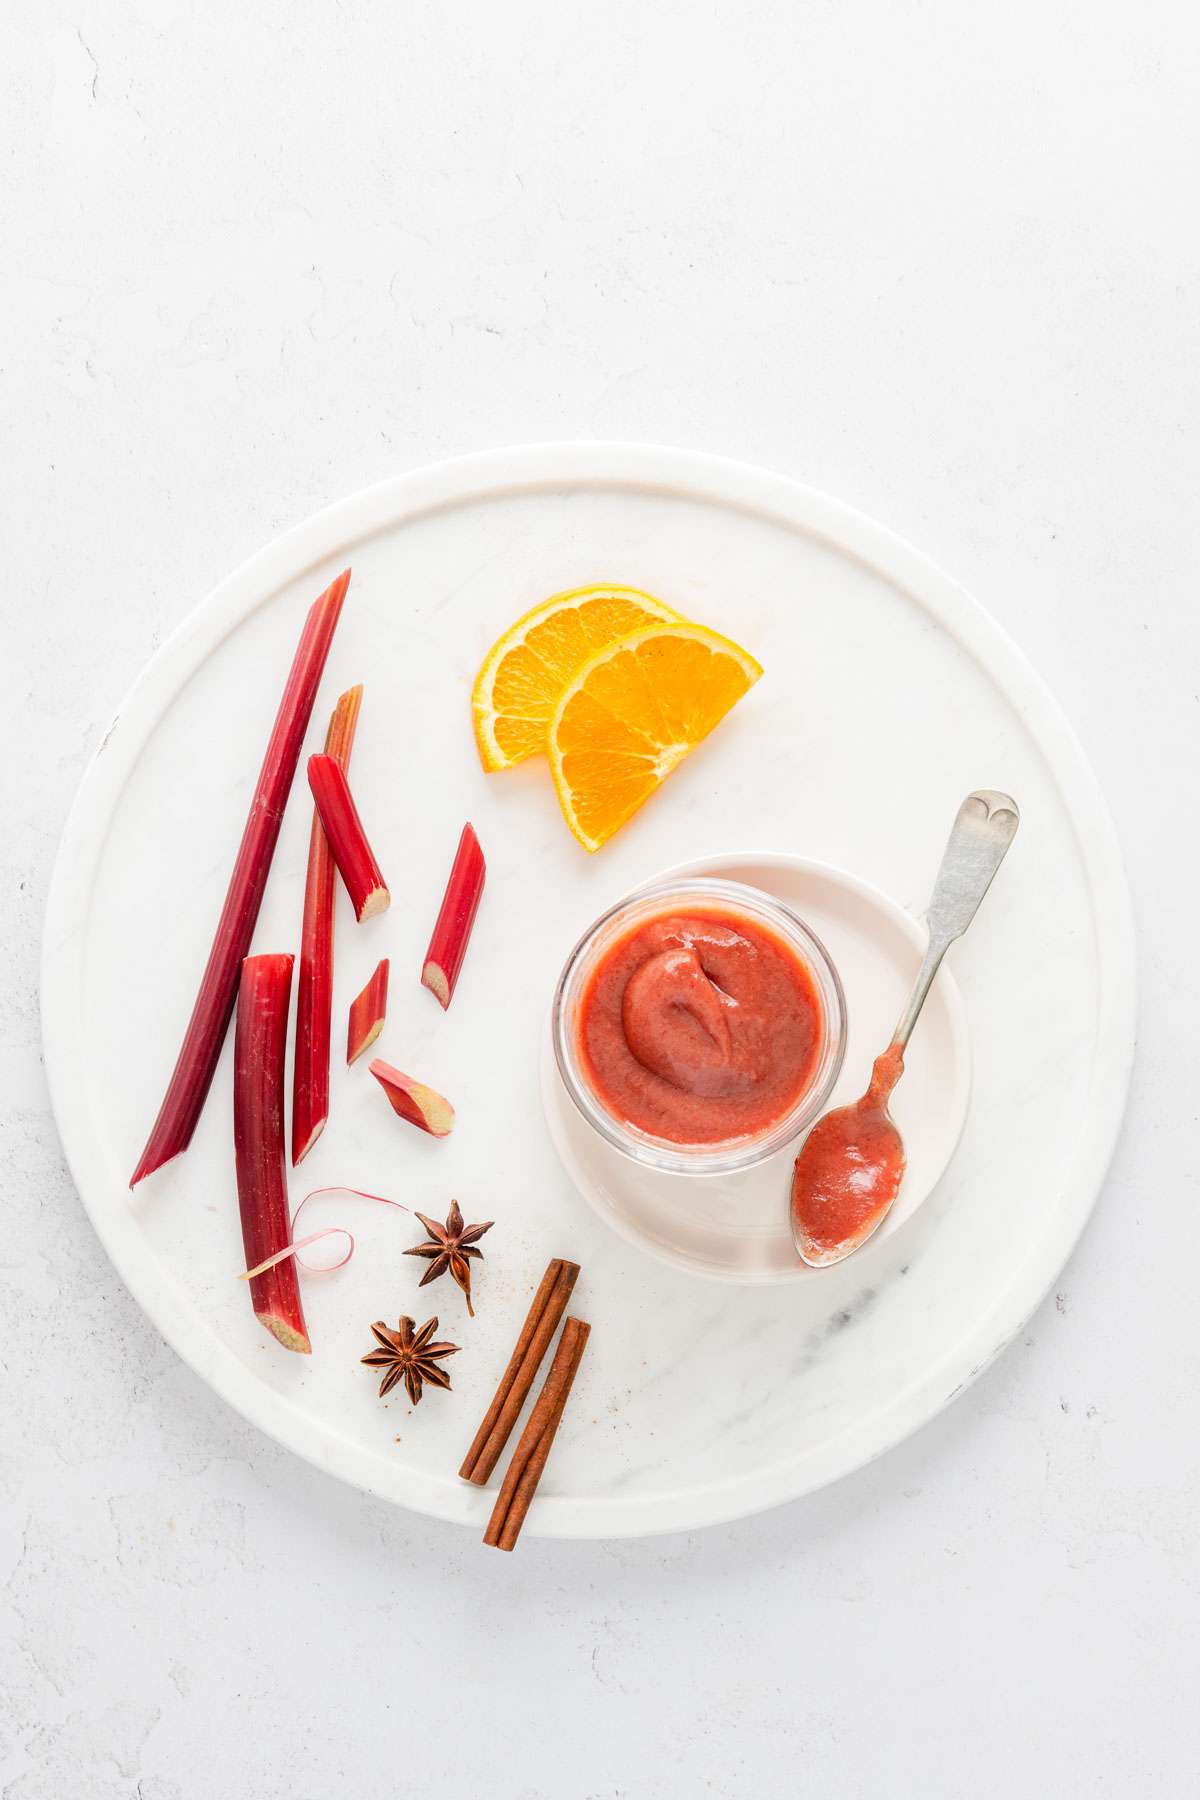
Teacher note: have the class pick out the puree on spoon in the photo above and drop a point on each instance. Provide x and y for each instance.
(700, 1026)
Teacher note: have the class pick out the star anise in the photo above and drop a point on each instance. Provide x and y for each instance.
(451, 1246)
(408, 1352)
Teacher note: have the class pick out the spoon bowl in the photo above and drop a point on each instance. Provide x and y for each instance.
(849, 1171)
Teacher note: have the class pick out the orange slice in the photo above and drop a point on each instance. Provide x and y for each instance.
(527, 669)
(631, 715)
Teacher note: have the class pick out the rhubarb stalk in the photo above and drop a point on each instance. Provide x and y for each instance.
(209, 1022)
(347, 839)
(314, 988)
(259, 1044)
(448, 945)
(367, 1013)
(412, 1100)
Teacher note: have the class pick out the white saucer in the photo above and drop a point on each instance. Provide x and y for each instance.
(735, 1227)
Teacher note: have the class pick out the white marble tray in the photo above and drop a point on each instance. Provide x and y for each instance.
(888, 694)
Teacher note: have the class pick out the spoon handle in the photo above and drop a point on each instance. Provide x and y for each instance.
(986, 825)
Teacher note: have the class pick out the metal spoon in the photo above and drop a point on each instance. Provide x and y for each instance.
(850, 1166)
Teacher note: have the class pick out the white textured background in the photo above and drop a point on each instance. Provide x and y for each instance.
(942, 260)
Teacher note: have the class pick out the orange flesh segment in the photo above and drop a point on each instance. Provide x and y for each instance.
(632, 714)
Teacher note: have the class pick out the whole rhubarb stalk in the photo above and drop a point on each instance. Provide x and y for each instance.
(314, 987)
(197, 1060)
(259, 1044)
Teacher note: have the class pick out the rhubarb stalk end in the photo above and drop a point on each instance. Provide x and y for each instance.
(434, 979)
(287, 1335)
(376, 902)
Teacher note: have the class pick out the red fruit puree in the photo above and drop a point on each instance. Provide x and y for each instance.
(700, 1026)
(850, 1167)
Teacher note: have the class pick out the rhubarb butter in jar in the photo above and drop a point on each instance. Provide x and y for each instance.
(699, 1026)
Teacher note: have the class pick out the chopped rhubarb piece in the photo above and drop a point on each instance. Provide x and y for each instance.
(419, 1104)
(314, 988)
(209, 1022)
(260, 1041)
(347, 839)
(367, 1013)
(451, 934)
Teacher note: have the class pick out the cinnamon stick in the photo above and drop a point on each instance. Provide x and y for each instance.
(549, 1305)
(529, 1458)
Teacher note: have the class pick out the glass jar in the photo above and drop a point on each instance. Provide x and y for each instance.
(714, 899)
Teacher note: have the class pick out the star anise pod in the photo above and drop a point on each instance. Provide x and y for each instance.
(451, 1246)
(408, 1352)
